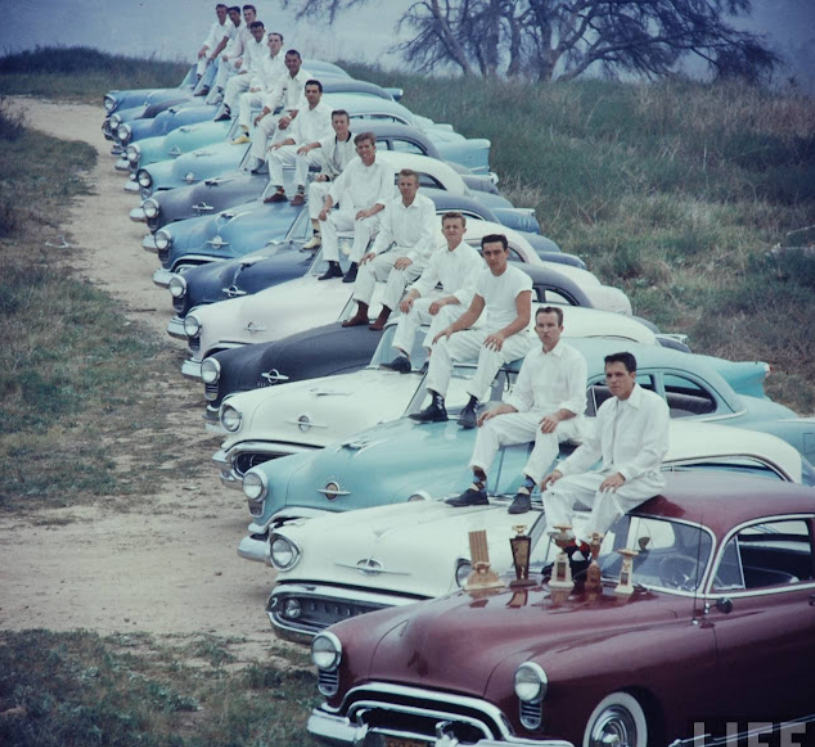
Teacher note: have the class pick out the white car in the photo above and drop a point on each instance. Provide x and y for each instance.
(300, 416)
(306, 302)
(340, 565)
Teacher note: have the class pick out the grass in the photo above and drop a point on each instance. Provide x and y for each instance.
(72, 367)
(675, 191)
(80, 688)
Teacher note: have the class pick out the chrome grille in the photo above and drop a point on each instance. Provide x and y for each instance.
(164, 255)
(195, 343)
(530, 714)
(328, 682)
(180, 304)
(242, 463)
(317, 613)
(211, 391)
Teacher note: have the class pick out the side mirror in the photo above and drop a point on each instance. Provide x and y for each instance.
(724, 605)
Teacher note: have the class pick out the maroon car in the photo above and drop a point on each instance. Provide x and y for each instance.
(718, 635)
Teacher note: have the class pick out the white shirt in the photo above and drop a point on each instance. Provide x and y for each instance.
(366, 186)
(217, 32)
(411, 228)
(253, 54)
(551, 381)
(456, 270)
(289, 91)
(631, 437)
(337, 154)
(311, 124)
(266, 71)
(499, 293)
(234, 46)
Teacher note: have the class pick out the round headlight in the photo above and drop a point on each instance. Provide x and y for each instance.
(192, 325)
(163, 240)
(292, 609)
(210, 371)
(255, 485)
(150, 207)
(144, 178)
(283, 552)
(123, 133)
(463, 571)
(110, 103)
(230, 419)
(189, 178)
(530, 682)
(133, 153)
(178, 287)
(115, 121)
(326, 651)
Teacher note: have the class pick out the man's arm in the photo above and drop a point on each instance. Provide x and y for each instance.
(466, 320)
(220, 47)
(523, 307)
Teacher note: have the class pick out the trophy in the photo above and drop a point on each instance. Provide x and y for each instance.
(519, 598)
(594, 576)
(521, 544)
(626, 587)
(482, 576)
(562, 571)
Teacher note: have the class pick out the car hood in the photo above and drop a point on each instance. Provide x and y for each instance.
(204, 163)
(319, 411)
(489, 633)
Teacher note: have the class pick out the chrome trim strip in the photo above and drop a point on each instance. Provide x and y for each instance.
(732, 739)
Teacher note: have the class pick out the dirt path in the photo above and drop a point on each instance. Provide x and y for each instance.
(168, 566)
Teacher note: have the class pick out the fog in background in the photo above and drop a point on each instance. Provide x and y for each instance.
(174, 29)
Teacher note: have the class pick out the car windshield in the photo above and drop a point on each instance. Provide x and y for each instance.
(385, 351)
(671, 556)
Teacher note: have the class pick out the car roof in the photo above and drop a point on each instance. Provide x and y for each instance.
(724, 500)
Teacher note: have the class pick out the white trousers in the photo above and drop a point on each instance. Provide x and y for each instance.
(381, 269)
(235, 86)
(201, 66)
(606, 507)
(249, 102)
(344, 220)
(418, 315)
(266, 133)
(466, 346)
(226, 70)
(522, 428)
(316, 198)
(287, 156)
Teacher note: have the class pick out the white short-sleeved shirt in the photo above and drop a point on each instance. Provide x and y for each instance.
(499, 293)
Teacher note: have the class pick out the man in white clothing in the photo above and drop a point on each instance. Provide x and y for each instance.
(219, 34)
(232, 56)
(288, 93)
(336, 151)
(313, 122)
(252, 58)
(456, 268)
(409, 224)
(546, 406)
(630, 436)
(262, 78)
(506, 294)
(362, 190)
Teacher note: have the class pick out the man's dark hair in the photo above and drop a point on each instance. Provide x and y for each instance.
(453, 215)
(410, 173)
(314, 82)
(256, 25)
(276, 33)
(495, 238)
(250, 7)
(222, 5)
(557, 311)
(363, 136)
(234, 9)
(340, 113)
(293, 53)
(627, 359)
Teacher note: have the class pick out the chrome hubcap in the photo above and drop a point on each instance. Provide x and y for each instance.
(614, 727)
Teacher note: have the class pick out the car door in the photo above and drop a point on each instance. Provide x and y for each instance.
(760, 604)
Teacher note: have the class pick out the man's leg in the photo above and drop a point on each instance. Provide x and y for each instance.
(302, 165)
(316, 197)
(397, 281)
(559, 499)
(364, 231)
(247, 103)
(338, 220)
(278, 160)
(369, 273)
(405, 334)
(235, 86)
(260, 138)
(610, 505)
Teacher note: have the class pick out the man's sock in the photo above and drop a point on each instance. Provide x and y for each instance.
(528, 486)
(479, 479)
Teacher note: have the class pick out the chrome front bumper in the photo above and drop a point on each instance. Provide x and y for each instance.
(161, 278)
(137, 216)
(190, 368)
(132, 186)
(148, 243)
(122, 165)
(175, 327)
(255, 547)
(441, 715)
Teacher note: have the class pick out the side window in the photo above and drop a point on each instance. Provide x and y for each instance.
(598, 392)
(405, 146)
(774, 553)
(515, 255)
(425, 180)
(686, 397)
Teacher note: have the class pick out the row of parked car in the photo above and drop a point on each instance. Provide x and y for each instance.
(345, 493)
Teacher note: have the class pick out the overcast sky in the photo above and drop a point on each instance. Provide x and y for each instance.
(174, 29)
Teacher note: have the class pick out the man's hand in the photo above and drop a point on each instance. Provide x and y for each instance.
(403, 263)
(551, 479)
(303, 149)
(436, 307)
(284, 121)
(202, 52)
(444, 333)
(238, 63)
(488, 415)
(323, 216)
(254, 90)
(258, 118)
(370, 256)
(321, 178)
(612, 482)
(549, 423)
(495, 341)
(362, 214)
(407, 304)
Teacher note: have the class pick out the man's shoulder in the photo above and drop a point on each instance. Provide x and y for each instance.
(425, 202)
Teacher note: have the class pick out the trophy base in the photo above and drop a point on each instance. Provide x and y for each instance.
(522, 583)
(562, 585)
(624, 591)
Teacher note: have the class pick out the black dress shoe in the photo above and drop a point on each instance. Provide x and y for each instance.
(470, 497)
(433, 413)
(351, 275)
(224, 115)
(400, 364)
(334, 271)
(521, 504)
(467, 418)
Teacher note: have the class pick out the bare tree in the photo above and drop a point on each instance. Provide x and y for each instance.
(561, 39)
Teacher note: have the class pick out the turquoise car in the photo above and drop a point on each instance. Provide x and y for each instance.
(390, 462)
